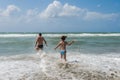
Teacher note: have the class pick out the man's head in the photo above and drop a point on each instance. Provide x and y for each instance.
(40, 34)
(63, 37)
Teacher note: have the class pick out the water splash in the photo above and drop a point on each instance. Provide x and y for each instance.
(49, 67)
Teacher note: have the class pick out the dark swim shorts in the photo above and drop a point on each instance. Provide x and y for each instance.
(40, 46)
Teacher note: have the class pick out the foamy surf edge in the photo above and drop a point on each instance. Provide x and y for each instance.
(78, 67)
(58, 35)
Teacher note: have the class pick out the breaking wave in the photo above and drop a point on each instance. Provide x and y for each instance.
(58, 35)
(49, 67)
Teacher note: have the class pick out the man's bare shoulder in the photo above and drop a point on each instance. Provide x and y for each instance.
(40, 37)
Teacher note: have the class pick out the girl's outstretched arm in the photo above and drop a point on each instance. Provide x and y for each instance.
(57, 45)
(70, 42)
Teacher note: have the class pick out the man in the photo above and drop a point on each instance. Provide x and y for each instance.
(39, 42)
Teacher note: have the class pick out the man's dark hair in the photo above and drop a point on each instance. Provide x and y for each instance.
(40, 34)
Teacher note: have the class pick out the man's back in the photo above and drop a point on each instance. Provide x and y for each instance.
(40, 40)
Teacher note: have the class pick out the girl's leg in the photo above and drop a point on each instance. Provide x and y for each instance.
(61, 56)
(65, 57)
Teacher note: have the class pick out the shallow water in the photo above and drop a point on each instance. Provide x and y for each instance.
(93, 56)
(87, 43)
(49, 67)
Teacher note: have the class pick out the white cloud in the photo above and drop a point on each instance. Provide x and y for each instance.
(32, 12)
(56, 9)
(69, 10)
(96, 15)
(9, 10)
(29, 16)
(52, 10)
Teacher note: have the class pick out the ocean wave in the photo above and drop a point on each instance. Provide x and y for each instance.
(83, 34)
(58, 35)
(78, 67)
(96, 34)
(17, 35)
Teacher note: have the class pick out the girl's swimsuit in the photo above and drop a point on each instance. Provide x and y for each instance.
(62, 52)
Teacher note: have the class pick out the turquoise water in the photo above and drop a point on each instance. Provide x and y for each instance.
(93, 56)
(87, 43)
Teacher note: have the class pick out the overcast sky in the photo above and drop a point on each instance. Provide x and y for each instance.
(59, 15)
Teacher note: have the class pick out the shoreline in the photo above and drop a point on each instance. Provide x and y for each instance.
(26, 67)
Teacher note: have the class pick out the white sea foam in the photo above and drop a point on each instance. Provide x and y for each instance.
(78, 67)
(58, 35)
(96, 34)
(83, 34)
(17, 35)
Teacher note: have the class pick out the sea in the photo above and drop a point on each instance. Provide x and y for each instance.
(92, 56)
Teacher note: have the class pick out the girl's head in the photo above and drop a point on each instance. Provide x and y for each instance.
(63, 37)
